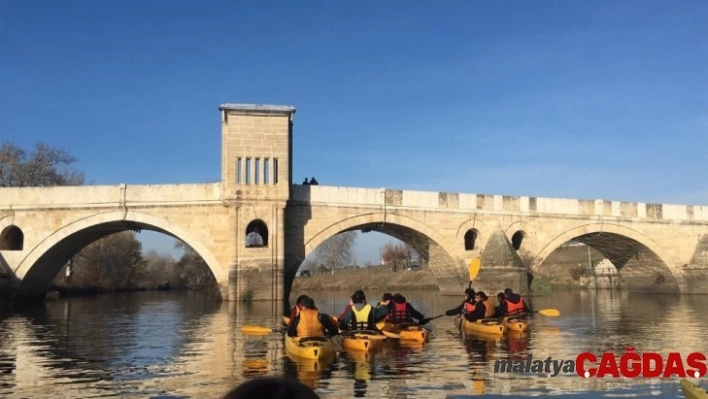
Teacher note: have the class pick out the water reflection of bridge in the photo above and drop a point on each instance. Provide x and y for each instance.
(50, 356)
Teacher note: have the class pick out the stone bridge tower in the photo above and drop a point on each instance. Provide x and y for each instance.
(256, 173)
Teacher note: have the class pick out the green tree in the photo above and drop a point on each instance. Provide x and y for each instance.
(44, 166)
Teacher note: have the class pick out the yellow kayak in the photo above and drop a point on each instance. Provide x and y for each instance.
(362, 340)
(404, 331)
(692, 391)
(286, 320)
(309, 347)
(516, 324)
(486, 337)
(480, 326)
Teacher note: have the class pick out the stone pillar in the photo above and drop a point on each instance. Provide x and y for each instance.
(501, 267)
(279, 252)
(232, 291)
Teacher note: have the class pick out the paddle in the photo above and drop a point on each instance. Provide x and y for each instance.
(475, 265)
(260, 330)
(426, 320)
(550, 312)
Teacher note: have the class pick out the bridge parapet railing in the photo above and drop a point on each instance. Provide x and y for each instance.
(97, 196)
(382, 197)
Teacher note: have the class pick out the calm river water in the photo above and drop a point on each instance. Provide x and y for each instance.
(179, 345)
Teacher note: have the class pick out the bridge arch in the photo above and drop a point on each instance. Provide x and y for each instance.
(637, 256)
(429, 243)
(372, 219)
(42, 263)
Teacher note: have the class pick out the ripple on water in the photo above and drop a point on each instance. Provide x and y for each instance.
(180, 346)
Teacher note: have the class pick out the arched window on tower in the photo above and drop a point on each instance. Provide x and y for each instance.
(256, 234)
(12, 238)
(470, 238)
(517, 238)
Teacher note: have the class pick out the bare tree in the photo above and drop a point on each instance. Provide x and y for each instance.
(397, 255)
(45, 166)
(337, 251)
(112, 263)
(193, 272)
(159, 269)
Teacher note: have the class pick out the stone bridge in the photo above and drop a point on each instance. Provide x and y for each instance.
(255, 227)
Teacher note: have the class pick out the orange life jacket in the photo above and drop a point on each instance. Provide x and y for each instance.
(488, 308)
(309, 324)
(469, 307)
(514, 308)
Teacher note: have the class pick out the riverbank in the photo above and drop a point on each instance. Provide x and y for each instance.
(367, 278)
(561, 271)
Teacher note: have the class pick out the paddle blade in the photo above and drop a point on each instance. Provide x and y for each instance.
(475, 265)
(256, 330)
(550, 312)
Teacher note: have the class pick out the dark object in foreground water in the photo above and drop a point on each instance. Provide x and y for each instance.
(273, 388)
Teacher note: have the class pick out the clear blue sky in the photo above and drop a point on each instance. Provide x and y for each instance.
(578, 99)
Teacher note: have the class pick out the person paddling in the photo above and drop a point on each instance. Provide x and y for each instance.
(310, 322)
(467, 306)
(514, 304)
(298, 306)
(361, 315)
(401, 311)
(498, 312)
(484, 308)
(386, 302)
